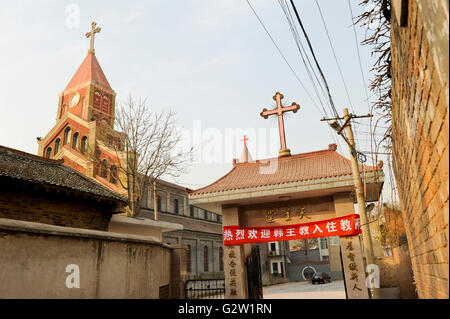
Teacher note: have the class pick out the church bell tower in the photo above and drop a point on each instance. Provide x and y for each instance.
(84, 136)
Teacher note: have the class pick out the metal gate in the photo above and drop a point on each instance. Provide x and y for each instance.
(205, 289)
(254, 280)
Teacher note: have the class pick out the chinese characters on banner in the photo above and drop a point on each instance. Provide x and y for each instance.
(340, 226)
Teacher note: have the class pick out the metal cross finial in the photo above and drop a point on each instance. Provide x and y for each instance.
(245, 139)
(91, 34)
(279, 110)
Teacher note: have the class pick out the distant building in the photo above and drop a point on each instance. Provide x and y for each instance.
(274, 258)
(201, 233)
(323, 257)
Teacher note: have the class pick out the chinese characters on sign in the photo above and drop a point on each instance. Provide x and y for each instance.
(232, 264)
(271, 215)
(353, 267)
(341, 226)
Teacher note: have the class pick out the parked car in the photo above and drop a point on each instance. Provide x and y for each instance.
(321, 278)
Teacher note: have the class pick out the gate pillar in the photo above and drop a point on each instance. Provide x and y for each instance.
(352, 259)
(234, 259)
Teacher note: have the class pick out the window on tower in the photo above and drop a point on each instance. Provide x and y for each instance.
(97, 99)
(57, 145)
(113, 174)
(83, 148)
(67, 135)
(104, 169)
(75, 140)
(48, 152)
(105, 104)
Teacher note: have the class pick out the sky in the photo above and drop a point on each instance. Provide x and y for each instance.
(209, 61)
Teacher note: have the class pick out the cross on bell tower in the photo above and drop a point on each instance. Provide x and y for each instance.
(91, 34)
(279, 110)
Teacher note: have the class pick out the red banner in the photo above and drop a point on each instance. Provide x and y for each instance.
(340, 226)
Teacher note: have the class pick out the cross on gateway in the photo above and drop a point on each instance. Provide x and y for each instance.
(279, 110)
(91, 34)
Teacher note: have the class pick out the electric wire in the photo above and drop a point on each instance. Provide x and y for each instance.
(282, 55)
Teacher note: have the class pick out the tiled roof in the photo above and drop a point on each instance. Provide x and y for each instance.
(35, 169)
(295, 168)
(89, 70)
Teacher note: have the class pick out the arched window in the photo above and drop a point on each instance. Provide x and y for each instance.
(83, 147)
(113, 174)
(205, 259)
(104, 169)
(67, 135)
(188, 258)
(220, 259)
(75, 140)
(175, 205)
(57, 145)
(48, 152)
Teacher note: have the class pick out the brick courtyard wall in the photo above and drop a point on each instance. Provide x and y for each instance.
(420, 126)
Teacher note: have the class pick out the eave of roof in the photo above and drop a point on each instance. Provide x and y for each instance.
(291, 170)
(66, 176)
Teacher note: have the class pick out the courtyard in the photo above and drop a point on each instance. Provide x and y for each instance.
(305, 290)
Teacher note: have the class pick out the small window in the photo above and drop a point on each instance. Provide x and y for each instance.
(220, 259)
(83, 144)
(57, 145)
(323, 243)
(113, 174)
(275, 267)
(191, 211)
(205, 259)
(48, 152)
(67, 132)
(188, 258)
(272, 246)
(75, 140)
(158, 202)
(175, 206)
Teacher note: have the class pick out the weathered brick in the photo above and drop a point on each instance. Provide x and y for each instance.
(420, 157)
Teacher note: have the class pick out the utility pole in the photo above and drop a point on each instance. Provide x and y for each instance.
(367, 239)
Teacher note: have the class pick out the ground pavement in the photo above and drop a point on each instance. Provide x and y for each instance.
(305, 290)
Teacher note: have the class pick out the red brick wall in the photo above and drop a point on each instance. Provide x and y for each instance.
(52, 208)
(420, 143)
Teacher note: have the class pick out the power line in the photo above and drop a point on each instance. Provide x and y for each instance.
(334, 111)
(359, 56)
(302, 52)
(282, 55)
(335, 57)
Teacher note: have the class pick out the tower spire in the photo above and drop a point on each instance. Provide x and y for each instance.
(91, 34)
(245, 156)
